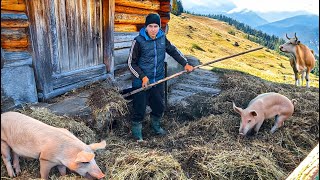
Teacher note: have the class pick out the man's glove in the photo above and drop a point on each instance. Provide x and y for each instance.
(188, 68)
(145, 81)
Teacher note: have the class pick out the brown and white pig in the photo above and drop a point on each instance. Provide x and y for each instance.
(53, 146)
(265, 106)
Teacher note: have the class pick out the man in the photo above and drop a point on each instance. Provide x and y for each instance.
(146, 62)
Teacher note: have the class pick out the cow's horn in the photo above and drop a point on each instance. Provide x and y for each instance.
(287, 36)
(295, 35)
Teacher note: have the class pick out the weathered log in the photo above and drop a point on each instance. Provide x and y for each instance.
(165, 7)
(132, 10)
(164, 20)
(129, 18)
(14, 23)
(164, 14)
(127, 27)
(146, 4)
(13, 5)
(308, 169)
(12, 38)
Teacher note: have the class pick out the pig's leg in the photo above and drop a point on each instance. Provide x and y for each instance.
(62, 169)
(279, 122)
(257, 127)
(5, 151)
(16, 164)
(45, 167)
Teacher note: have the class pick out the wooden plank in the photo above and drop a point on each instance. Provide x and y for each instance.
(14, 24)
(53, 38)
(77, 38)
(98, 32)
(124, 37)
(165, 7)
(122, 45)
(133, 10)
(308, 169)
(62, 33)
(39, 37)
(71, 28)
(146, 4)
(121, 56)
(126, 28)
(79, 84)
(123, 18)
(108, 30)
(84, 31)
(14, 38)
(68, 78)
(13, 5)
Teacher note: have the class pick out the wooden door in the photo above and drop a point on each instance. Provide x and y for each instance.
(67, 39)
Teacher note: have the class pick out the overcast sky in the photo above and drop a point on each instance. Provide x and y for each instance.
(311, 6)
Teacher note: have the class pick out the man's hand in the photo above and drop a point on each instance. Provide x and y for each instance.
(145, 81)
(188, 68)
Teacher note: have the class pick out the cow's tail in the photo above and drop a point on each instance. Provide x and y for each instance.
(294, 102)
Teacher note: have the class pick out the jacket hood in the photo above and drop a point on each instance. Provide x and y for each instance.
(144, 34)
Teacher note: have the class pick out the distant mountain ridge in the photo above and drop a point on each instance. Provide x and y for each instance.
(247, 17)
(306, 27)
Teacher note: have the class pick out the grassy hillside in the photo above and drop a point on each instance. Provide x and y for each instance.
(209, 39)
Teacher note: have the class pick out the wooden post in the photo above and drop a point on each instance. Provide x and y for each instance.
(108, 8)
(308, 169)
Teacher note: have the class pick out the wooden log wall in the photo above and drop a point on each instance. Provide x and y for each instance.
(129, 18)
(130, 14)
(14, 25)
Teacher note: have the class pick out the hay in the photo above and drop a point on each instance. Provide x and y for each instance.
(106, 104)
(145, 164)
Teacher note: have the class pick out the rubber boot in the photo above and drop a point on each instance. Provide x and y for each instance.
(155, 124)
(137, 130)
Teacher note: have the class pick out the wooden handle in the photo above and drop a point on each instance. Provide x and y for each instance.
(182, 72)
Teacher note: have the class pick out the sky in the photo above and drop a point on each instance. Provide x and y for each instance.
(311, 6)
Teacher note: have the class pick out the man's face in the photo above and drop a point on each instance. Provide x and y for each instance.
(152, 30)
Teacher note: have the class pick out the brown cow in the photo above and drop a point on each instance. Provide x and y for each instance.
(303, 60)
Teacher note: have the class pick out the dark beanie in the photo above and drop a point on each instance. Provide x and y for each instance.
(153, 18)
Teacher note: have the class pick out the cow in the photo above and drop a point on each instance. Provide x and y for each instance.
(302, 61)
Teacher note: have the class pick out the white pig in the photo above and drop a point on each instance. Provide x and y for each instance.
(265, 106)
(53, 146)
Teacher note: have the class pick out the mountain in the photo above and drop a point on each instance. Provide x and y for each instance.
(210, 7)
(247, 17)
(306, 27)
(273, 16)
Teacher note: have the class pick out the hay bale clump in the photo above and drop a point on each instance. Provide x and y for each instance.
(145, 164)
(242, 163)
(106, 104)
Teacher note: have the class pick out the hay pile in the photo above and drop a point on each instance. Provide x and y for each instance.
(106, 104)
(203, 141)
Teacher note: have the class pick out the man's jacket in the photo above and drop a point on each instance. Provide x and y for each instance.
(147, 56)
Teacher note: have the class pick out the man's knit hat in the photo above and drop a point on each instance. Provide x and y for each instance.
(153, 18)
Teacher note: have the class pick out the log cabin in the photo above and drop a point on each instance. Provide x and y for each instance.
(50, 47)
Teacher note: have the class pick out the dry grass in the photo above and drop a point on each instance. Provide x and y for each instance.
(106, 104)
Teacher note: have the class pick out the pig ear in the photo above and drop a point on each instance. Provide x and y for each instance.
(253, 113)
(236, 109)
(84, 157)
(100, 145)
